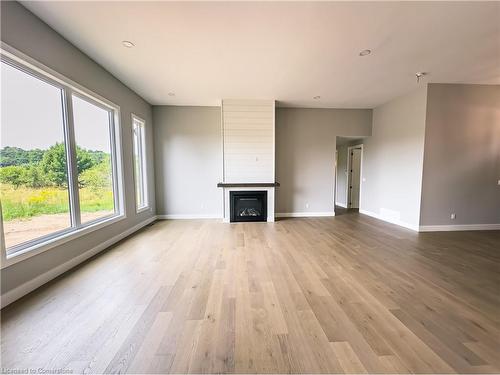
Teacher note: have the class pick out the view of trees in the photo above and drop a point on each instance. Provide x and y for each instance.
(44, 168)
(35, 182)
(35, 199)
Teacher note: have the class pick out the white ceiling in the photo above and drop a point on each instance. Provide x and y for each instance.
(290, 51)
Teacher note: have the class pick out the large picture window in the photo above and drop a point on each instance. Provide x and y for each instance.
(33, 158)
(58, 158)
(141, 186)
(93, 129)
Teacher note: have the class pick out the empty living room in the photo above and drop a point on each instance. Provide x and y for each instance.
(256, 187)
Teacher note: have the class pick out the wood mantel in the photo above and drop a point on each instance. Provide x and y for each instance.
(247, 184)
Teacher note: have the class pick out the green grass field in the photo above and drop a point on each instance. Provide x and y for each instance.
(24, 202)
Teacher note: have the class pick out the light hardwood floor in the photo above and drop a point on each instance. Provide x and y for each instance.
(326, 295)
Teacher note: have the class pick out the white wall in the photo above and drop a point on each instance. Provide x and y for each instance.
(248, 137)
(188, 155)
(393, 160)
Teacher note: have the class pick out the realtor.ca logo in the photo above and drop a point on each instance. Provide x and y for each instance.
(39, 370)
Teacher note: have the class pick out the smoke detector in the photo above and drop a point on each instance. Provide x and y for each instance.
(127, 44)
(420, 75)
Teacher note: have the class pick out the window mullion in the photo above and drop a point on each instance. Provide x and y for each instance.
(69, 134)
(3, 248)
(114, 164)
(143, 165)
(139, 165)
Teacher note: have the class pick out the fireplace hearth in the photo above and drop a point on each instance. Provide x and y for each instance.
(248, 206)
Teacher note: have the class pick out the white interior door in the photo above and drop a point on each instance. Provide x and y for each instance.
(354, 180)
(335, 188)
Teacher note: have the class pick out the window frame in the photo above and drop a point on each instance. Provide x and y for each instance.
(28, 65)
(112, 139)
(143, 155)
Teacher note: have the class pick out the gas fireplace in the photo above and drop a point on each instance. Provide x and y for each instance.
(248, 206)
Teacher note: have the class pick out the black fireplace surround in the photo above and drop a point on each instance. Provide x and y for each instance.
(248, 206)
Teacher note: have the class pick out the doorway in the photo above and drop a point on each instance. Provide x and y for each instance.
(354, 158)
(343, 175)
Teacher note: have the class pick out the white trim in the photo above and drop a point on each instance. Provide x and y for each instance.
(23, 289)
(143, 160)
(336, 176)
(69, 89)
(223, 171)
(274, 140)
(305, 214)
(462, 227)
(59, 239)
(118, 165)
(341, 204)
(390, 220)
(3, 253)
(188, 216)
(348, 191)
(143, 209)
(432, 228)
(71, 159)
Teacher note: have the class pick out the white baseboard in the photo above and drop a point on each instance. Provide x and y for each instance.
(305, 214)
(390, 220)
(343, 205)
(188, 217)
(462, 227)
(23, 289)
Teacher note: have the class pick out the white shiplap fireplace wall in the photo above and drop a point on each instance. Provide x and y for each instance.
(248, 147)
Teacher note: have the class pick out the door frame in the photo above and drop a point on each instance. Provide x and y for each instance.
(348, 191)
(335, 182)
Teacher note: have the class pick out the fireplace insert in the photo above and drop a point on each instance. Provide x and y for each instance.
(248, 206)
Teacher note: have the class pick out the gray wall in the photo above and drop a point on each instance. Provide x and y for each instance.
(188, 157)
(25, 32)
(188, 154)
(305, 154)
(462, 155)
(393, 160)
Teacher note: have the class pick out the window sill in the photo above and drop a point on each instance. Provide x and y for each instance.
(143, 209)
(39, 248)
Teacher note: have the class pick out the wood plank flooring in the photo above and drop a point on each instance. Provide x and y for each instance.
(348, 294)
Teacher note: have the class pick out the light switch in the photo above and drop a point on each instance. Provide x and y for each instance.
(498, 182)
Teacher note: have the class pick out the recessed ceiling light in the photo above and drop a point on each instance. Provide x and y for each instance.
(365, 52)
(317, 97)
(128, 44)
(171, 94)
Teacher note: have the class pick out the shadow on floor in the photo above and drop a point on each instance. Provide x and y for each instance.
(345, 211)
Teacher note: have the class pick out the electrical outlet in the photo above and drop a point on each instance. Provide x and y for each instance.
(453, 216)
(307, 205)
(498, 182)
